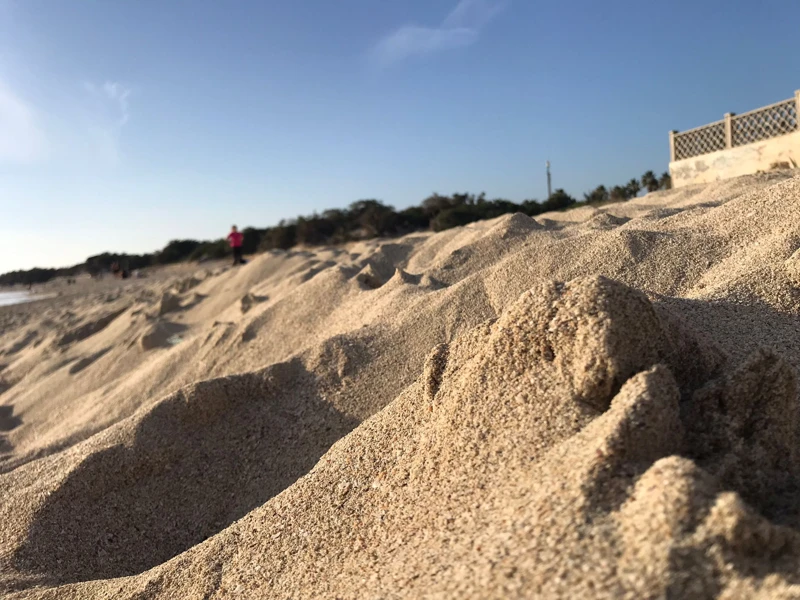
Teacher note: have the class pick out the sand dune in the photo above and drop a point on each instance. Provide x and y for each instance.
(599, 403)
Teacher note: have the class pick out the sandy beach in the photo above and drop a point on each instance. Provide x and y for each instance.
(596, 403)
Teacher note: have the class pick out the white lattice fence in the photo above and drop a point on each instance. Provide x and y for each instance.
(702, 140)
(764, 123)
(757, 125)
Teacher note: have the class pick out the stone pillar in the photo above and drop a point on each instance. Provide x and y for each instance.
(797, 107)
(728, 131)
(672, 145)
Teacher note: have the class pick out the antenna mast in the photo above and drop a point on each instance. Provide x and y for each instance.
(549, 185)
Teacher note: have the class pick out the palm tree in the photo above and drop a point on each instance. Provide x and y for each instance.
(618, 193)
(649, 181)
(597, 195)
(665, 183)
(633, 188)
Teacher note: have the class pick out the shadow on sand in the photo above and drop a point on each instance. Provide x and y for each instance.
(8, 422)
(199, 460)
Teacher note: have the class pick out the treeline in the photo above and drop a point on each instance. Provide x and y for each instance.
(361, 220)
(618, 193)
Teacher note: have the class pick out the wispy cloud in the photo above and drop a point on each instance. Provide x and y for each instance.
(119, 94)
(22, 136)
(460, 28)
(109, 114)
(474, 14)
(80, 124)
(111, 100)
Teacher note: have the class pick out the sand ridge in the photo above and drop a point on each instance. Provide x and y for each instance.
(596, 403)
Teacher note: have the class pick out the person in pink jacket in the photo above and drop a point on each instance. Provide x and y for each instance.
(235, 239)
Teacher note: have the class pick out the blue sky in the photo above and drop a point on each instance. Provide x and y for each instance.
(124, 124)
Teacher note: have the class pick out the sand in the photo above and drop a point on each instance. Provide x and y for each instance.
(600, 403)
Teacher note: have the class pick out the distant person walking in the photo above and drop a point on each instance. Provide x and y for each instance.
(235, 239)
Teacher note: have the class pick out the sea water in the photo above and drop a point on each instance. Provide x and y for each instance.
(8, 298)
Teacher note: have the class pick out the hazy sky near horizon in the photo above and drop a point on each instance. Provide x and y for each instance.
(126, 124)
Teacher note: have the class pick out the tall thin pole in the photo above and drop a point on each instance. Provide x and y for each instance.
(549, 185)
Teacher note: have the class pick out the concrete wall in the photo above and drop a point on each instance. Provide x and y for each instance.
(741, 160)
